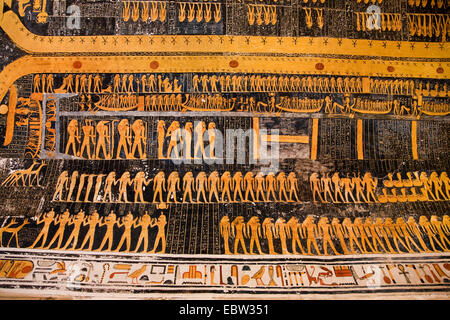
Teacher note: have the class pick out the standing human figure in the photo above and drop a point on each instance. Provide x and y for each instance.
(161, 235)
(110, 221)
(127, 222)
(144, 223)
(62, 220)
(76, 222)
(92, 221)
(47, 219)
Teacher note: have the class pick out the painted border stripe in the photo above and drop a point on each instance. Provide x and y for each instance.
(359, 139)
(414, 140)
(314, 136)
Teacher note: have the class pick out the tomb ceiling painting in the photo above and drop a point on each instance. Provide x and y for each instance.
(225, 149)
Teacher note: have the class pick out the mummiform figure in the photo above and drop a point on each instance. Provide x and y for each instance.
(340, 233)
(254, 231)
(159, 184)
(214, 185)
(201, 185)
(326, 232)
(295, 233)
(403, 231)
(270, 186)
(348, 225)
(226, 185)
(238, 185)
(225, 231)
(282, 231)
(311, 232)
(188, 186)
(268, 233)
(414, 229)
(239, 232)
(173, 184)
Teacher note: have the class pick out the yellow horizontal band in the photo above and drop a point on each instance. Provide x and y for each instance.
(287, 139)
(33, 43)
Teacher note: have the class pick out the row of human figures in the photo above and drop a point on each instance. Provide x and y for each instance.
(258, 83)
(97, 139)
(408, 87)
(151, 83)
(379, 236)
(332, 189)
(93, 83)
(421, 187)
(180, 144)
(72, 224)
(248, 187)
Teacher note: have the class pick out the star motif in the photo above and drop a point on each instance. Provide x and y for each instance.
(151, 40)
(104, 40)
(127, 41)
(231, 39)
(139, 40)
(198, 40)
(173, 41)
(247, 40)
(186, 40)
(370, 44)
(280, 41)
(384, 44)
(163, 40)
(82, 40)
(399, 45)
(354, 43)
(412, 45)
(294, 40)
(221, 39)
(210, 39)
(339, 42)
(264, 41)
(427, 45)
(325, 41)
(94, 40)
(311, 41)
(441, 46)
